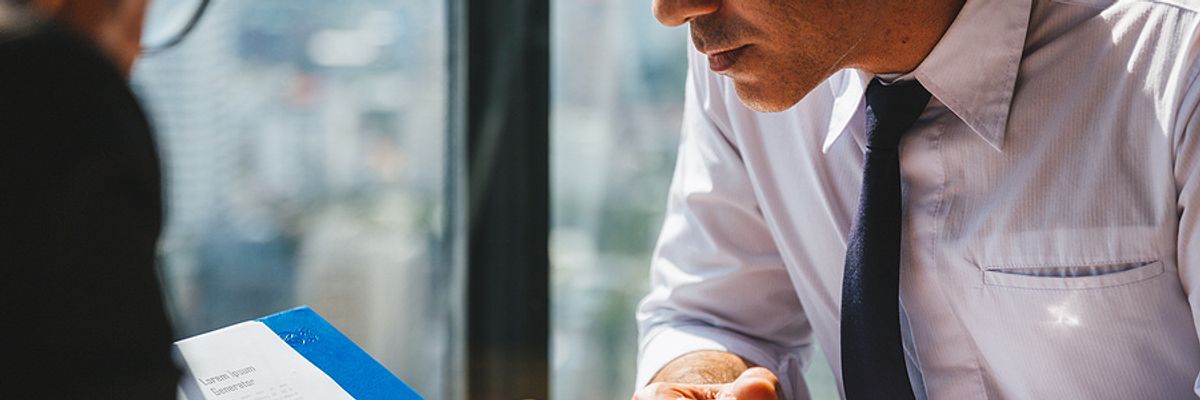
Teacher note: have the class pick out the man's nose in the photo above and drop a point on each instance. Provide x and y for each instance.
(679, 12)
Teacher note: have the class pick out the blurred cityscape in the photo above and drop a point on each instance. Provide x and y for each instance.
(305, 153)
(617, 98)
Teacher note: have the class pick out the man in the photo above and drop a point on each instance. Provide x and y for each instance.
(80, 209)
(952, 200)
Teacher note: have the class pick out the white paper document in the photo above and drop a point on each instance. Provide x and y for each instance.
(248, 361)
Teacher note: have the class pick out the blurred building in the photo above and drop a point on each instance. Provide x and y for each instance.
(617, 79)
(304, 145)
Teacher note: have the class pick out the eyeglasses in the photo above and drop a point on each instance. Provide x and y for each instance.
(167, 22)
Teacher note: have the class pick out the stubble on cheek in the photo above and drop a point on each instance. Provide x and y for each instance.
(771, 95)
(775, 79)
(795, 45)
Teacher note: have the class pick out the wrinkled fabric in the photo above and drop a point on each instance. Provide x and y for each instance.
(1050, 247)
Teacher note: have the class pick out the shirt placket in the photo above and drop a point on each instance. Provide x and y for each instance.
(936, 340)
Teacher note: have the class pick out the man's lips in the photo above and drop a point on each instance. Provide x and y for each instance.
(725, 59)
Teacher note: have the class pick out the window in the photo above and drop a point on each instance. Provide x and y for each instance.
(617, 100)
(310, 158)
(304, 145)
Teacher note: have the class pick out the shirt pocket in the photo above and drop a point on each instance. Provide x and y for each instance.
(1072, 277)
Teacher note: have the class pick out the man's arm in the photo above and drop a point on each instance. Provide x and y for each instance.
(1187, 179)
(1186, 144)
(718, 283)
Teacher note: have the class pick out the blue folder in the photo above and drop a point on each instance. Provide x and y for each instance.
(333, 353)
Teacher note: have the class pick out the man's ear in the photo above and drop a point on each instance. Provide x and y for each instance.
(48, 7)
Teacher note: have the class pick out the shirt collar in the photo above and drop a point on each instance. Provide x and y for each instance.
(972, 70)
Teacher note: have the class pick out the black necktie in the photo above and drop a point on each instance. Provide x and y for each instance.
(872, 354)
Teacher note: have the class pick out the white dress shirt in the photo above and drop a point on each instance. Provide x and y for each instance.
(1051, 244)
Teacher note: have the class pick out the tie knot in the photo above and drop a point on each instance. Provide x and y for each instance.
(891, 110)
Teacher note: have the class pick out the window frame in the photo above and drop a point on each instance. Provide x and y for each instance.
(499, 120)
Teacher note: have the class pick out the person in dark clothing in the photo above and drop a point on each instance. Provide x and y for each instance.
(80, 208)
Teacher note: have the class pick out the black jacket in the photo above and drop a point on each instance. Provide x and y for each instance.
(82, 313)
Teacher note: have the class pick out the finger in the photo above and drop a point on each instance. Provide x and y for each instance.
(755, 384)
(760, 372)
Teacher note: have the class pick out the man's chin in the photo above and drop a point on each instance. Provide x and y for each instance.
(767, 98)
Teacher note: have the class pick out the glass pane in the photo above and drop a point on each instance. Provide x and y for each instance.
(617, 79)
(616, 110)
(304, 144)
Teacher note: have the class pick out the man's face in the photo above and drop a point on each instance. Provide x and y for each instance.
(775, 51)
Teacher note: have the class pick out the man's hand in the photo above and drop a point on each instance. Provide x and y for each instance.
(754, 384)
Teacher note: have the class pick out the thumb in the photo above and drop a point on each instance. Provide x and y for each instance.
(755, 384)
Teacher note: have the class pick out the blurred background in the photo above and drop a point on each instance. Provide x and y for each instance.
(309, 160)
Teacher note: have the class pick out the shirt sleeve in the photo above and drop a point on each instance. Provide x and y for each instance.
(1187, 183)
(1187, 180)
(717, 279)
